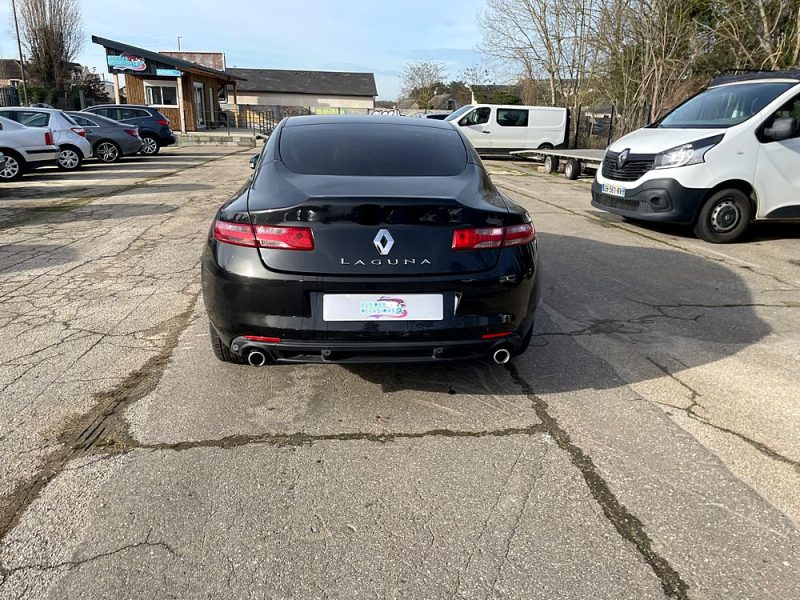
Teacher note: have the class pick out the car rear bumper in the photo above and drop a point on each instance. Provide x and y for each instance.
(323, 351)
(654, 200)
(243, 298)
(167, 139)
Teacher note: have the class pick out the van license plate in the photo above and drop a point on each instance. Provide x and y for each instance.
(613, 190)
(382, 307)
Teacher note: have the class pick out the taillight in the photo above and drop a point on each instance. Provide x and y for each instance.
(264, 236)
(80, 131)
(164, 122)
(493, 237)
(286, 238)
(132, 132)
(48, 138)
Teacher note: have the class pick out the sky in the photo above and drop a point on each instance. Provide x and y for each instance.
(375, 36)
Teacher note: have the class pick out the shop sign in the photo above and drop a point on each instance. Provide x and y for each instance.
(168, 72)
(126, 62)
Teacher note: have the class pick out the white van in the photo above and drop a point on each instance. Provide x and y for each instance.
(497, 129)
(724, 158)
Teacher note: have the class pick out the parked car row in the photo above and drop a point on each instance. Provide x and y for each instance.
(32, 137)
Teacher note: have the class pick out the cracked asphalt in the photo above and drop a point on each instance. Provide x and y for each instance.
(646, 446)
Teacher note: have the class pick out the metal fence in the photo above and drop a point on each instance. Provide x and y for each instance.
(597, 127)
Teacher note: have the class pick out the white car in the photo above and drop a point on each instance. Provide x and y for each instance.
(68, 135)
(25, 148)
(726, 157)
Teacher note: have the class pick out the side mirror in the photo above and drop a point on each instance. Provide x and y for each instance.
(254, 161)
(782, 129)
(463, 122)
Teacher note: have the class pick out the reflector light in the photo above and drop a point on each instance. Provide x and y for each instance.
(261, 338)
(264, 236)
(491, 336)
(238, 234)
(284, 238)
(493, 237)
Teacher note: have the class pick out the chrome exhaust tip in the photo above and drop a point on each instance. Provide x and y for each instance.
(257, 358)
(501, 356)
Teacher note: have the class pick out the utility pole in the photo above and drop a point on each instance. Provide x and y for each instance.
(21, 62)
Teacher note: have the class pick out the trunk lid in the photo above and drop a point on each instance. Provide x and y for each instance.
(389, 226)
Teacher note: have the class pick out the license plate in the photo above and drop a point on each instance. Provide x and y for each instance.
(382, 307)
(613, 190)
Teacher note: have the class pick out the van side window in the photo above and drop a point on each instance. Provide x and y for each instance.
(478, 116)
(512, 117)
(789, 110)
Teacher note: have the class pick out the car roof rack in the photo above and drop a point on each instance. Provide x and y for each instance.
(732, 75)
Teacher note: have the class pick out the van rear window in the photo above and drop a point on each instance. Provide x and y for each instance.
(372, 149)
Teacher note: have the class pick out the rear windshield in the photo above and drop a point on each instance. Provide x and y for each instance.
(372, 150)
(724, 106)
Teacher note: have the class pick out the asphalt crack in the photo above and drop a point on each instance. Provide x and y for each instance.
(691, 412)
(92, 427)
(627, 525)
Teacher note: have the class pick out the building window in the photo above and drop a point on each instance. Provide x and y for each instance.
(161, 93)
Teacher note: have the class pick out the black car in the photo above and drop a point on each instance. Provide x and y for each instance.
(154, 128)
(363, 239)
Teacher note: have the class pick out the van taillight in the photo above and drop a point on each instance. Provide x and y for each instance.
(48, 138)
(480, 238)
(264, 236)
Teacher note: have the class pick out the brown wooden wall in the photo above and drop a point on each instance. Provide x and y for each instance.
(134, 91)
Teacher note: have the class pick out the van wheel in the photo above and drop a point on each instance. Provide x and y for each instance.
(550, 164)
(572, 170)
(14, 167)
(724, 217)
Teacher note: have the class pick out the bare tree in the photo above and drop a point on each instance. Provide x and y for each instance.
(760, 33)
(52, 31)
(422, 80)
(545, 39)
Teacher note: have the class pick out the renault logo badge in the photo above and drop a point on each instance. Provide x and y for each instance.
(623, 156)
(383, 242)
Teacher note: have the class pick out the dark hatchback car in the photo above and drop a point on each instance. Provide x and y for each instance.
(110, 140)
(154, 128)
(363, 239)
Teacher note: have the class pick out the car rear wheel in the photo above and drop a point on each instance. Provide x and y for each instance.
(69, 158)
(724, 217)
(220, 349)
(14, 167)
(107, 152)
(150, 145)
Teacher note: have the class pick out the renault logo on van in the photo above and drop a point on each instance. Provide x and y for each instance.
(383, 242)
(623, 156)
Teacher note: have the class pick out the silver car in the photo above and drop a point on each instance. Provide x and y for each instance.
(25, 148)
(110, 139)
(67, 134)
